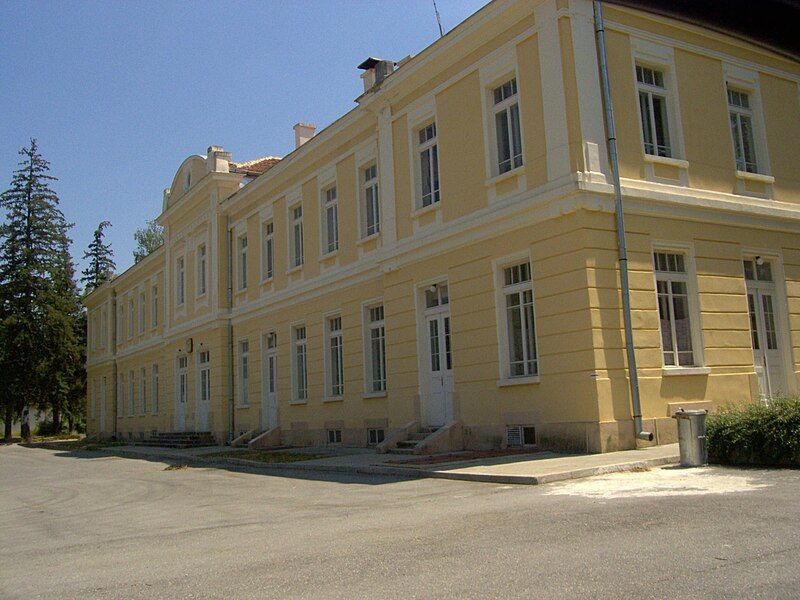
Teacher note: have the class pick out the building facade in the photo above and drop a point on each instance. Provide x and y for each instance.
(445, 253)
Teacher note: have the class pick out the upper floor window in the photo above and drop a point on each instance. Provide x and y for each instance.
(180, 281)
(428, 165)
(672, 287)
(103, 328)
(267, 250)
(120, 321)
(330, 217)
(370, 200)
(131, 316)
(297, 236)
(653, 111)
(142, 311)
(242, 262)
(201, 269)
(507, 128)
(741, 117)
(523, 359)
(154, 306)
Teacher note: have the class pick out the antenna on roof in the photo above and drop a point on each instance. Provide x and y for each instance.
(438, 19)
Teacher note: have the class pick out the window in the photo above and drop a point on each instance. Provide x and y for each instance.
(142, 311)
(120, 321)
(93, 406)
(507, 129)
(267, 251)
(183, 365)
(300, 364)
(131, 317)
(242, 262)
(120, 394)
(673, 308)
(244, 373)
(375, 436)
(180, 281)
(335, 367)
(371, 208)
(375, 350)
(653, 111)
(103, 328)
(437, 295)
(131, 391)
(297, 236)
(334, 436)
(201, 269)
(520, 436)
(428, 166)
(741, 117)
(143, 391)
(154, 306)
(330, 217)
(204, 359)
(154, 375)
(523, 360)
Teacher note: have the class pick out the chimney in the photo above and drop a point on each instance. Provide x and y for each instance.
(375, 71)
(217, 160)
(302, 133)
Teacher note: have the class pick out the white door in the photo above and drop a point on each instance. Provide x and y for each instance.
(181, 382)
(764, 330)
(438, 401)
(102, 427)
(269, 385)
(204, 391)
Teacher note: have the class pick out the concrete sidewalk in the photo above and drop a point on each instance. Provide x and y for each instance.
(526, 469)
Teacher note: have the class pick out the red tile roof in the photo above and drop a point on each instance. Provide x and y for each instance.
(254, 168)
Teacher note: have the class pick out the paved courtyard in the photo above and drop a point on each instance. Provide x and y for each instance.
(89, 525)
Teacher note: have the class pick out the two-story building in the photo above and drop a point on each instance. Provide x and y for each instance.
(443, 258)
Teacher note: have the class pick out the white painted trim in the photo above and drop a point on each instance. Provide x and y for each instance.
(673, 371)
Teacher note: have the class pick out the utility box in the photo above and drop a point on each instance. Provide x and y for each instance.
(692, 437)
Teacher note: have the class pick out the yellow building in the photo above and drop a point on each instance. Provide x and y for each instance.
(441, 263)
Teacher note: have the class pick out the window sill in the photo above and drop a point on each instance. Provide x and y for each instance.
(367, 395)
(512, 381)
(431, 208)
(297, 402)
(333, 399)
(667, 160)
(672, 371)
(266, 281)
(329, 255)
(369, 238)
(503, 176)
(759, 177)
(201, 296)
(294, 269)
(240, 406)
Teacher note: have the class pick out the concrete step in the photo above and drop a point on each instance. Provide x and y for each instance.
(407, 444)
(409, 451)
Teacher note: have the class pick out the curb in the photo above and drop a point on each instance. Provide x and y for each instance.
(398, 471)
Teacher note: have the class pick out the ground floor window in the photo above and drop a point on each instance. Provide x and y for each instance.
(334, 436)
(520, 325)
(375, 436)
(672, 287)
(300, 364)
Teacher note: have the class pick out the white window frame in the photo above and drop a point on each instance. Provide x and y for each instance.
(180, 281)
(93, 406)
(154, 386)
(204, 376)
(142, 311)
(120, 394)
(329, 212)
(369, 326)
(131, 315)
(502, 290)
(299, 350)
(241, 262)
(120, 319)
(131, 393)
(429, 146)
(143, 391)
(651, 91)
(369, 195)
(747, 81)
(243, 372)
(154, 305)
(103, 327)
(202, 269)
(506, 105)
(267, 250)
(334, 357)
(689, 277)
(296, 236)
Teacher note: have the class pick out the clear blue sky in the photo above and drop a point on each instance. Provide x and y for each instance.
(119, 93)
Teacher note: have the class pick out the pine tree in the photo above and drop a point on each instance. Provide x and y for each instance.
(148, 239)
(38, 295)
(101, 260)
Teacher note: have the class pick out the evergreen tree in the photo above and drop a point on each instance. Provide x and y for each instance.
(38, 295)
(148, 238)
(101, 260)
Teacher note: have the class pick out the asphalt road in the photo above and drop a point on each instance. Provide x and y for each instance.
(86, 525)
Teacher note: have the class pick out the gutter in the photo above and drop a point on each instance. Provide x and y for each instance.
(114, 378)
(622, 248)
(229, 283)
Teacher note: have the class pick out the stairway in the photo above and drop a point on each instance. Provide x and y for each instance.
(180, 439)
(408, 446)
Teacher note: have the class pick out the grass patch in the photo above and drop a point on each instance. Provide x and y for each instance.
(265, 456)
(756, 434)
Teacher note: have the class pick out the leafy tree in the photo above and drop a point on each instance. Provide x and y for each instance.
(148, 238)
(101, 260)
(39, 310)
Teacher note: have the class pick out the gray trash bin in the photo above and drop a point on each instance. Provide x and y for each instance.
(692, 437)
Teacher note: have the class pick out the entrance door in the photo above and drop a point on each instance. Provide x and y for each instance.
(181, 382)
(764, 332)
(204, 391)
(438, 404)
(269, 396)
(103, 406)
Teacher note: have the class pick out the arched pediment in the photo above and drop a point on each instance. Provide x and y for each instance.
(192, 170)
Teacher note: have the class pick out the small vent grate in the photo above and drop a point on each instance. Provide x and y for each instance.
(514, 435)
(519, 436)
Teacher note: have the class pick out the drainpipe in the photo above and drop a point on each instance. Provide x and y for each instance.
(618, 210)
(113, 321)
(229, 283)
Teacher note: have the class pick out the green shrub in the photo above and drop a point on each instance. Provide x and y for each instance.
(756, 434)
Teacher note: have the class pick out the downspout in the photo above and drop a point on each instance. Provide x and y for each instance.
(229, 283)
(618, 210)
(113, 320)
